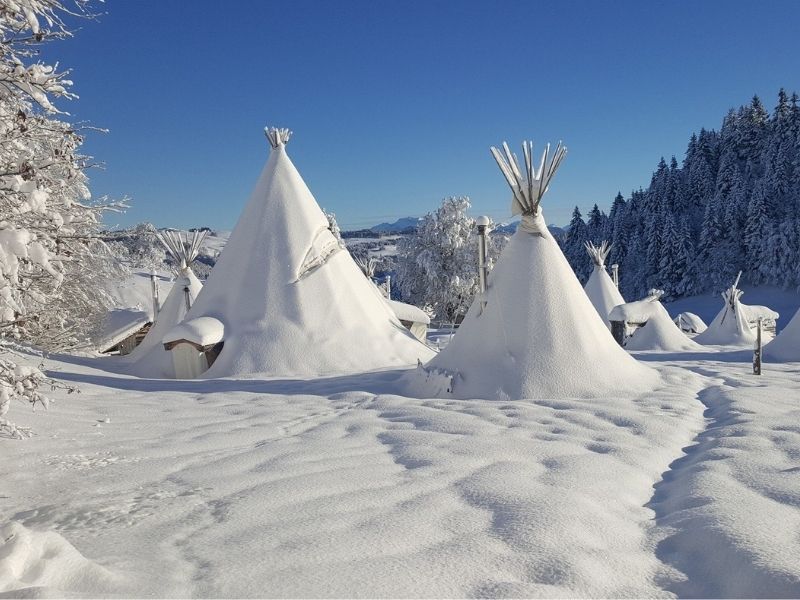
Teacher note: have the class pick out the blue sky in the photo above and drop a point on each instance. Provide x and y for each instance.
(394, 104)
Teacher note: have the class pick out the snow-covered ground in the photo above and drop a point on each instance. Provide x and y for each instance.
(344, 487)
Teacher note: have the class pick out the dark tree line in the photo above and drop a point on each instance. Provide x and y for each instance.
(733, 204)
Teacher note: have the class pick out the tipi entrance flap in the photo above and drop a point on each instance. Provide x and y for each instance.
(323, 246)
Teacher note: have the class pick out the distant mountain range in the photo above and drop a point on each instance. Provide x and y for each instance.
(409, 224)
(404, 225)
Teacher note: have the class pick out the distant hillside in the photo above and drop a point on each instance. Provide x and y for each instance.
(404, 225)
(510, 228)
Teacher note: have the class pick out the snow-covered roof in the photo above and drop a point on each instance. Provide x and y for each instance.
(636, 312)
(409, 312)
(754, 311)
(690, 321)
(121, 323)
(203, 331)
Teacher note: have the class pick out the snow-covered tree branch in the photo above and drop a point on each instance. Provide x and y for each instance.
(53, 265)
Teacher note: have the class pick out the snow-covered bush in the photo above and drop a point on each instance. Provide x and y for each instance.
(438, 267)
(53, 264)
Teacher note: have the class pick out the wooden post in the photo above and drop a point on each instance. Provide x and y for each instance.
(757, 351)
(618, 331)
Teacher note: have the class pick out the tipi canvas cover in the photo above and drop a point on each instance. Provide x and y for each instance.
(534, 333)
(149, 359)
(291, 299)
(786, 346)
(730, 327)
(601, 290)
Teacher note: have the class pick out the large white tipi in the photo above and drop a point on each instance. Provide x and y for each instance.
(601, 290)
(786, 345)
(291, 300)
(149, 358)
(533, 333)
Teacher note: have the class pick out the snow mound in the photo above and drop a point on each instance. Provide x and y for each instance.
(786, 345)
(42, 564)
(292, 301)
(688, 321)
(535, 334)
(660, 333)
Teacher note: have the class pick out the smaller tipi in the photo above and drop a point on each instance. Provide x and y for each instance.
(732, 325)
(786, 346)
(150, 359)
(600, 288)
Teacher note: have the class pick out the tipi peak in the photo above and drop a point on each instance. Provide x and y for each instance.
(277, 136)
(529, 185)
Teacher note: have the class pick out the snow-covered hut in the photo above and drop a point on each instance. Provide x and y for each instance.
(194, 346)
(123, 330)
(412, 318)
(688, 322)
(290, 299)
(533, 333)
(786, 345)
(649, 326)
(600, 288)
(735, 323)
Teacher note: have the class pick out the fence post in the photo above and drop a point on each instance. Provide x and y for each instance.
(757, 350)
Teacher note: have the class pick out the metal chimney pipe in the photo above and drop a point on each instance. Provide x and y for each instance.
(154, 292)
(483, 224)
(187, 298)
(615, 274)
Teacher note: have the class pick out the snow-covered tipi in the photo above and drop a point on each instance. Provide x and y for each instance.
(657, 330)
(786, 345)
(150, 358)
(601, 290)
(291, 300)
(731, 326)
(534, 333)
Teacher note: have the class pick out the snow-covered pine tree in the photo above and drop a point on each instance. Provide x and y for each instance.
(574, 246)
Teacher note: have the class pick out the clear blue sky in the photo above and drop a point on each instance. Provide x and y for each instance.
(394, 104)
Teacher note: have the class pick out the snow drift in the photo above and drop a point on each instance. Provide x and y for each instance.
(786, 345)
